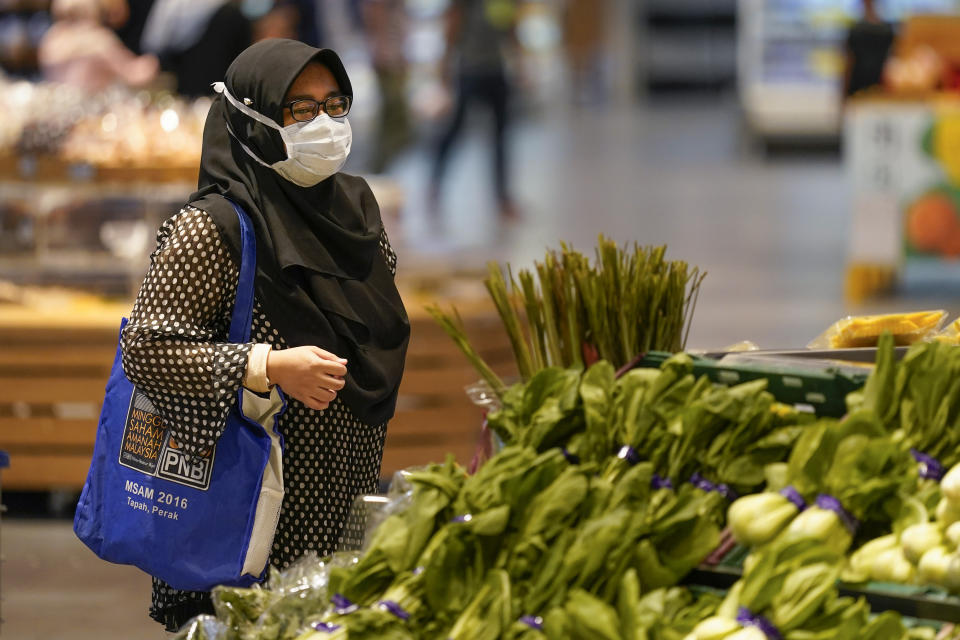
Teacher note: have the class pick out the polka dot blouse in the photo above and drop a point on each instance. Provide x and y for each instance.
(174, 348)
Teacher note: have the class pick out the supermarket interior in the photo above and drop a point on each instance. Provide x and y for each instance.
(800, 162)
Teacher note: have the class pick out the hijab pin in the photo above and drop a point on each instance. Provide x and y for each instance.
(247, 101)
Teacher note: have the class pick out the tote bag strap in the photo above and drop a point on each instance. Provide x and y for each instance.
(242, 316)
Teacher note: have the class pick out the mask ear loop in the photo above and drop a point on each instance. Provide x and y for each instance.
(221, 88)
(246, 148)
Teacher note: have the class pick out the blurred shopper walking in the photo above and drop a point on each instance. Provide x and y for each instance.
(385, 23)
(81, 51)
(868, 46)
(478, 33)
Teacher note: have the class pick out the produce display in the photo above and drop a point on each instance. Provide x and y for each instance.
(685, 426)
(609, 490)
(615, 487)
(917, 400)
(842, 479)
(788, 591)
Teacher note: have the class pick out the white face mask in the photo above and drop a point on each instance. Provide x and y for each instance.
(315, 150)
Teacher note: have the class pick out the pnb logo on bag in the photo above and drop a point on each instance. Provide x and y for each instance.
(149, 448)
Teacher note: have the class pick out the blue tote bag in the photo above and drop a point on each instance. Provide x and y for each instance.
(194, 522)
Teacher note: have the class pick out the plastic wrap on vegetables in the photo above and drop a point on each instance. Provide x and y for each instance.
(290, 601)
(865, 331)
(950, 334)
(204, 628)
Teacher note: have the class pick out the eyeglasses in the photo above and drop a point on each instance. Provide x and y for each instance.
(306, 110)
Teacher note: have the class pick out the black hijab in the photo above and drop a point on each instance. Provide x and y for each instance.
(321, 278)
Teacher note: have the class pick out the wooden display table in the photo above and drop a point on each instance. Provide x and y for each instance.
(55, 360)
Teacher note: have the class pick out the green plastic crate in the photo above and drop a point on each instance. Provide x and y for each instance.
(821, 385)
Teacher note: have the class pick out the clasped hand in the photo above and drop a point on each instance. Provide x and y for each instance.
(309, 374)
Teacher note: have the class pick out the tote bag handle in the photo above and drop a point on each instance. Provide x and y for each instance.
(242, 316)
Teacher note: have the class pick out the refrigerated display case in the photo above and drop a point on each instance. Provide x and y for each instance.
(790, 61)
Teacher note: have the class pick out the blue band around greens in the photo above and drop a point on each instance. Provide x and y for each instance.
(342, 605)
(794, 496)
(746, 618)
(395, 609)
(660, 483)
(828, 502)
(534, 622)
(930, 467)
(629, 454)
(703, 484)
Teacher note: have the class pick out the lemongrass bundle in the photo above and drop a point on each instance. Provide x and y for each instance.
(630, 300)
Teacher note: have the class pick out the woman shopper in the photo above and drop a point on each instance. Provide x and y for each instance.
(329, 327)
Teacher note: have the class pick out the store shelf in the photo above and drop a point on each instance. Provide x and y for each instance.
(85, 226)
(802, 33)
(693, 9)
(51, 169)
(690, 54)
(688, 43)
(792, 108)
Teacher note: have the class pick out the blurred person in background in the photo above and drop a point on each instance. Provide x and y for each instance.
(478, 32)
(385, 24)
(80, 50)
(196, 40)
(129, 25)
(868, 46)
(290, 19)
(308, 15)
(281, 21)
(584, 29)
